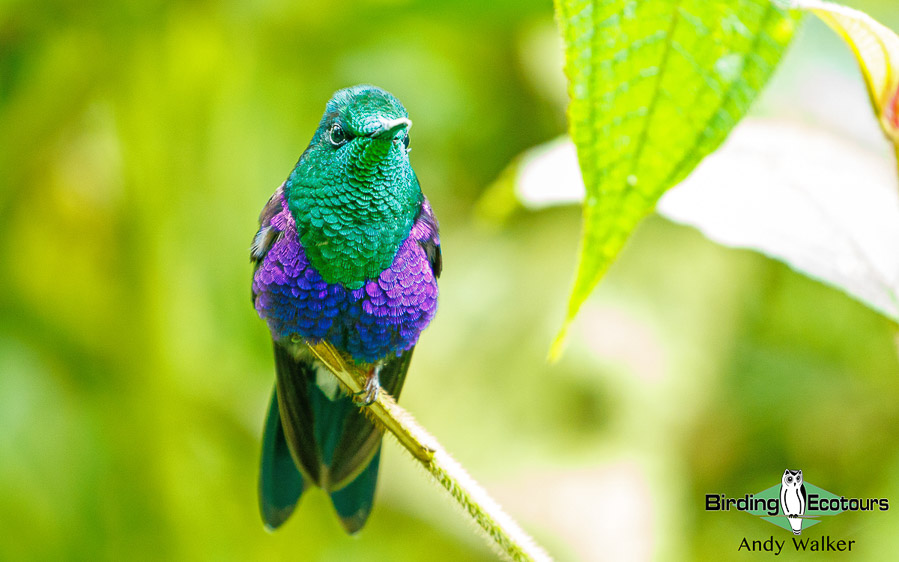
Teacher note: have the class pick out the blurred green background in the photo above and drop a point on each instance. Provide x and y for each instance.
(138, 142)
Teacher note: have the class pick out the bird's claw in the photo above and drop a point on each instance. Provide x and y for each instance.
(370, 391)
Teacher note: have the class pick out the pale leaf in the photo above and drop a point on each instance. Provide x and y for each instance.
(815, 201)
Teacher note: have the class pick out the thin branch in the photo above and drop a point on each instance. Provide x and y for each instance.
(502, 529)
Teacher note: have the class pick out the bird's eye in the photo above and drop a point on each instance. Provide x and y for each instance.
(406, 142)
(337, 135)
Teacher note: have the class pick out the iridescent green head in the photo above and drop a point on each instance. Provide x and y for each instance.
(353, 194)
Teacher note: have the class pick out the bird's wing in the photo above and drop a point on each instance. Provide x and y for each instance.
(425, 231)
(296, 390)
(268, 233)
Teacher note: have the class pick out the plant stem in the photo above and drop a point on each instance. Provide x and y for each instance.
(896, 150)
(507, 536)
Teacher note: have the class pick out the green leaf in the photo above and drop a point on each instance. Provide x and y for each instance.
(655, 85)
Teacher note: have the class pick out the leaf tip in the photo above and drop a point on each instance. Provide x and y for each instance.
(558, 345)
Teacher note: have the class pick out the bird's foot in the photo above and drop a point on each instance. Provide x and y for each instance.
(372, 388)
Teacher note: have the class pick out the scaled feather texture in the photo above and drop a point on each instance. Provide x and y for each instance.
(347, 252)
(384, 316)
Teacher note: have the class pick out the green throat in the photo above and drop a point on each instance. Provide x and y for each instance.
(353, 207)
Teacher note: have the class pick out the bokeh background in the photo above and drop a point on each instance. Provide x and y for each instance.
(138, 142)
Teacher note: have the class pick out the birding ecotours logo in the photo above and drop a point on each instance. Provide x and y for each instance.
(793, 504)
(793, 499)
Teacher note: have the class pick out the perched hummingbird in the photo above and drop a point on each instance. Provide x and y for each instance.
(347, 252)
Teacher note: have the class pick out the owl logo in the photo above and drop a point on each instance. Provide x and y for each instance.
(793, 498)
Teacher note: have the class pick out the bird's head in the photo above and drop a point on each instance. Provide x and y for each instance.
(360, 117)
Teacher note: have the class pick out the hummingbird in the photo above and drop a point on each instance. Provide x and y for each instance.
(347, 252)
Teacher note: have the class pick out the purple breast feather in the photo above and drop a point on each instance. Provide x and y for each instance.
(383, 317)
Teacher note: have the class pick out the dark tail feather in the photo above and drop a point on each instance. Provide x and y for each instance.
(354, 501)
(280, 483)
(294, 379)
(330, 443)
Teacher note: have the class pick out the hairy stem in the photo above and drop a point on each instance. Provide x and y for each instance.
(505, 532)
